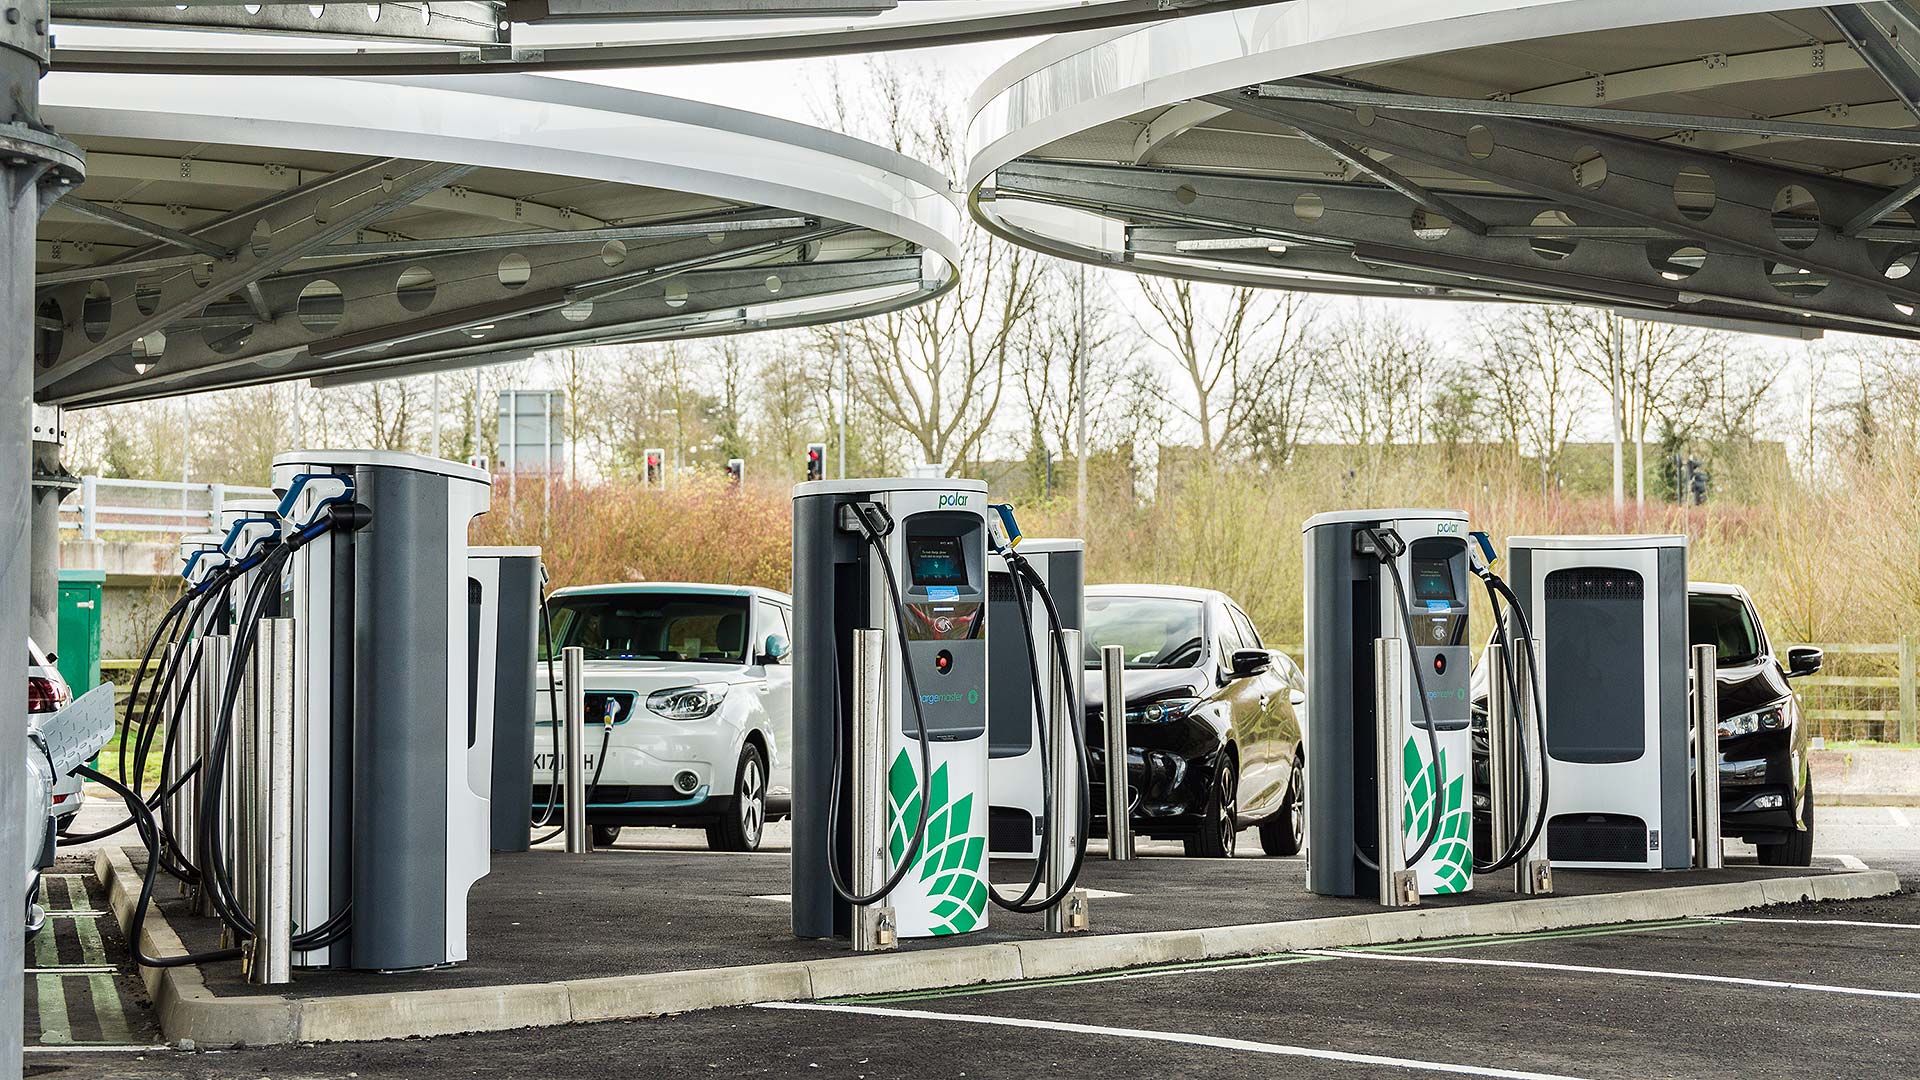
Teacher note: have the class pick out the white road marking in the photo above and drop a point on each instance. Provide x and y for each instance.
(1181, 1037)
(1810, 922)
(1852, 862)
(1899, 817)
(154, 1049)
(1637, 973)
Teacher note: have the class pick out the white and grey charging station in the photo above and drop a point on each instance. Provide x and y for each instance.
(1016, 818)
(936, 557)
(506, 639)
(1611, 616)
(1364, 644)
(387, 613)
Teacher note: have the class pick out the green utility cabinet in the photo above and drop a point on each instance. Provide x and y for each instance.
(79, 644)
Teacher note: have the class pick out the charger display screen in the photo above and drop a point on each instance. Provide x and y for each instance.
(936, 560)
(1432, 580)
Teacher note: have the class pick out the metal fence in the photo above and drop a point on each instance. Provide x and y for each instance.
(113, 506)
(1865, 692)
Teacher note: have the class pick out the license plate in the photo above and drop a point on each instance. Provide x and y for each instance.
(544, 763)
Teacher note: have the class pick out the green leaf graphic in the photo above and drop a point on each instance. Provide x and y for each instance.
(1452, 850)
(950, 860)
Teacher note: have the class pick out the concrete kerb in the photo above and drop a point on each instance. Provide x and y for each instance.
(189, 1011)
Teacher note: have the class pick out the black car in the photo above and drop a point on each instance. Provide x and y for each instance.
(1766, 786)
(1213, 720)
(1766, 789)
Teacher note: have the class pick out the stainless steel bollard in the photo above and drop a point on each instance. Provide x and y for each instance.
(1069, 915)
(874, 928)
(1533, 874)
(1399, 885)
(573, 661)
(1500, 789)
(1113, 711)
(241, 783)
(270, 960)
(1709, 849)
(213, 673)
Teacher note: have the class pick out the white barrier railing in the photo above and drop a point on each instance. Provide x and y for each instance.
(137, 506)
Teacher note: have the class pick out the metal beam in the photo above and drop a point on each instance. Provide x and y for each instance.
(363, 202)
(553, 299)
(144, 227)
(1358, 159)
(1318, 93)
(1885, 58)
(1864, 221)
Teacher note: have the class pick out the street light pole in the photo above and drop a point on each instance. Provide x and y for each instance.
(1080, 402)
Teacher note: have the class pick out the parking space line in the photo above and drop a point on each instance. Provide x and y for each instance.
(1810, 922)
(1637, 973)
(1521, 938)
(100, 1048)
(1179, 1037)
(50, 992)
(1899, 817)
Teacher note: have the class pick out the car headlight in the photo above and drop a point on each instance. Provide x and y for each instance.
(688, 702)
(1163, 711)
(1771, 718)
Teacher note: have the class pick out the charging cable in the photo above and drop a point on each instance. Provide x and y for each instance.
(1386, 546)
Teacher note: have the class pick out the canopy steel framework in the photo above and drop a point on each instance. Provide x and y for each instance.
(1741, 163)
(227, 239)
(416, 37)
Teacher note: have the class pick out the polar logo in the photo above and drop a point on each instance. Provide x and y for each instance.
(1446, 527)
(953, 500)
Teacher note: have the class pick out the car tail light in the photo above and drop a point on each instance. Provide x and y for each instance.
(46, 695)
(58, 799)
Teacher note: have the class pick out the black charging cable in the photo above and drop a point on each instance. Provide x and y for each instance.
(1387, 546)
(1528, 654)
(873, 523)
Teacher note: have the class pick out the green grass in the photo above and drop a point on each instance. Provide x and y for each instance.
(109, 760)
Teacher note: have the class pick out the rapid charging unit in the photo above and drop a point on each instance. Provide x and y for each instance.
(506, 638)
(1611, 615)
(908, 558)
(1372, 641)
(1016, 816)
(388, 698)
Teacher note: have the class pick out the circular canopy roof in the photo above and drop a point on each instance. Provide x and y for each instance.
(1742, 163)
(458, 36)
(232, 231)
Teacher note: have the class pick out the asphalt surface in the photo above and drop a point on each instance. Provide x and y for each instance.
(1827, 989)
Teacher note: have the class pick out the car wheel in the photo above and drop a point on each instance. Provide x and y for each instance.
(1286, 831)
(1797, 848)
(605, 835)
(1219, 825)
(746, 813)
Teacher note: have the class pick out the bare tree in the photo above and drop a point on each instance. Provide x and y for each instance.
(1525, 363)
(1646, 369)
(1240, 352)
(1374, 371)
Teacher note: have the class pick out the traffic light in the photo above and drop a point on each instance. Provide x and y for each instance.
(656, 467)
(1698, 479)
(816, 460)
(736, 470)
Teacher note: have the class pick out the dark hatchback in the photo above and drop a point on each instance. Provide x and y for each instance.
(1766, 789)
(1213, 719)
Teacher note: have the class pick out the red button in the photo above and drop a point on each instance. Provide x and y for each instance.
(1439, 665)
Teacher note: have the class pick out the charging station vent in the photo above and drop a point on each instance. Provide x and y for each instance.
(1620, 838)
(1594, 583)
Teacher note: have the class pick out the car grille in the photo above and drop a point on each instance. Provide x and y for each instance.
(611, 793)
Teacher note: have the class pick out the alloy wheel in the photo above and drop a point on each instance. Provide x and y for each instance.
(753, 799)
(1229, 809)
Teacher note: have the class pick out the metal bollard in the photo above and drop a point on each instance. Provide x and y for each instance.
(1709, 848)
(1533, 874)
(1113, 710)
(241, 784)
(1399, 885)
(1499, 751)
(874, 928)
(573, 661)
(213, 669)
(1069, 915)
(178, 722)
(270, 961)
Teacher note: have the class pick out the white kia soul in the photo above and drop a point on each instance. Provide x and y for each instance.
(689, 698)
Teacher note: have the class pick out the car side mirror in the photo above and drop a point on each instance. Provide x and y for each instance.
(1298, 697)
(776, 649)
(1804, 660)
(1249, 662)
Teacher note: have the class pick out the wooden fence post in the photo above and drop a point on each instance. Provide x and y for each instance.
(1909, 708)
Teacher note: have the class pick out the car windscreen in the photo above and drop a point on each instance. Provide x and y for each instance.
(1724, 623)
(689, 627)
(1156, 632)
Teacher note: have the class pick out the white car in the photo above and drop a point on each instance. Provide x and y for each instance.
(48, 693)
(689, 691)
